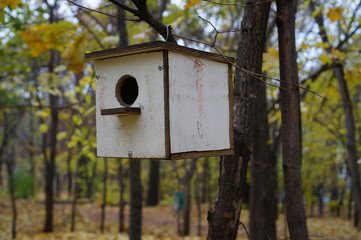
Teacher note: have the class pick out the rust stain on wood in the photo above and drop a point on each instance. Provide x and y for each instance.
(198, 66)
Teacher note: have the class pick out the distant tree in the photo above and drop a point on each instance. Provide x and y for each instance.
(291, 120)
(135, 224)
(104, 195)
(153, 183)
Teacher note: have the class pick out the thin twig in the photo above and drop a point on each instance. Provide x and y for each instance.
(107, 14)
(216, 30)
(245, 229)
(239, 4)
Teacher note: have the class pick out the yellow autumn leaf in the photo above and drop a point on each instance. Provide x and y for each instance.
(77, 120)
(43, 113)
(304, 46)
(192, 3)
(73, 54)
(270, 59)
(325, 59)
(61, 136)
(335, 14)
(353, 76)
(43, 37)
(332, 92)
(337, 54)
(322, 45)
(43, 128)
(9, 3)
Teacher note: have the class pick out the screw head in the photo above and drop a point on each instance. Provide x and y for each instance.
(160, 67)
(97, 76)
(130, 154)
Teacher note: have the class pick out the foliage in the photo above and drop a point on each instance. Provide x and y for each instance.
(24, 183)
(28, 39)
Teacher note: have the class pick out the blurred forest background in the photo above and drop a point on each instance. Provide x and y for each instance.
(50, 178)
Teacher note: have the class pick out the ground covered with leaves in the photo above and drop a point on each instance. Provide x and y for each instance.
(158, 223)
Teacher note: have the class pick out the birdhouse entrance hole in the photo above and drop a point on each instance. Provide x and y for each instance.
(126, 90)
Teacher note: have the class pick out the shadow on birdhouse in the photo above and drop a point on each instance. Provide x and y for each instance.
(159, 100)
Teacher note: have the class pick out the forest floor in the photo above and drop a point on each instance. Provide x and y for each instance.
(158, 223)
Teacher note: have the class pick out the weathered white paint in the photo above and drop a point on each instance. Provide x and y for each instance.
(142, 134)
(198, 104)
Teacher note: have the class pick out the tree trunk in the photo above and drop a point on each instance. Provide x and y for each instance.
(104, 199)
(350, 137)
(69, 175)
(91, 179)
(153, 183)
(223, 219)
(187, 184)
(198, 197)
(12, 196)
(50, 168)
(291, 120)
(54, 118)
(205, 196)
(75, 197)
(263, 198)
(121, 195)
(135, 225)
(121, 27)
(320, 196)
(187, 211)
(349, 209)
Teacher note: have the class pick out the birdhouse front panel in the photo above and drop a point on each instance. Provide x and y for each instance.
(198, 104)
(162, 101)
(134, 135)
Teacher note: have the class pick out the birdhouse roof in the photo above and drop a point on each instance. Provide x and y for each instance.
(155, 46)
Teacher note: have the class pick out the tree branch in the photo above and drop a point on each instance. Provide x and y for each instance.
(107, 14)
(125, 7)
(239, 4)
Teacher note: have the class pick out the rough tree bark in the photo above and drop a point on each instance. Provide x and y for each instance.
(223, 219)
(263, 197)
(291, 120)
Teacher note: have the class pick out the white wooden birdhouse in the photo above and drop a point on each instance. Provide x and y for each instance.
(162, 101)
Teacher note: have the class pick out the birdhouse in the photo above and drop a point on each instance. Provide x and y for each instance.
(159, 100)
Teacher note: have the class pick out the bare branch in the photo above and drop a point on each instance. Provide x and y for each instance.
(217, 32)
(110, 15)
(245, 229)
(348, 36)
(239, 4)
(125, 7)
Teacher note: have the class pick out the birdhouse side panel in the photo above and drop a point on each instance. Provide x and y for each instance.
(141, 136)
(199, 104)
